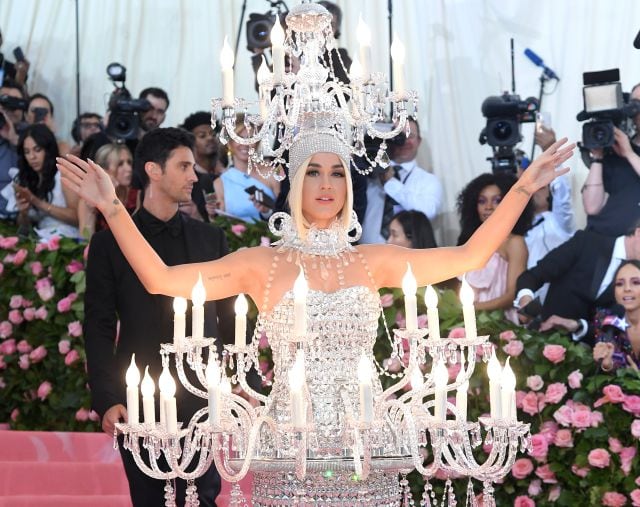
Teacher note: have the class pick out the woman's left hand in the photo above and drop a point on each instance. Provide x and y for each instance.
(23, 193)
(547, 166)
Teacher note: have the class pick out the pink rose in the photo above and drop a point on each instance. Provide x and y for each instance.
(539, 447)
(563, 438)
(74, 328)
(38, 354)
(555, 392)
(596, 418)
(635, 497)
(519, 397)
(5, 329)
(15, 317)
(15, 301)
(45, 289)
(74, 266)
(53, 244)
(36, 268)
(71, 357)
(19, 257)
(554, 494)
(238, 229)
(23, 362)
(41, 313)
(15, 413)
(400, 320)
(457, 332)
(614, 445)
(535, 487)
(453, 370)
(535, 382)
(64, 305)
(581, 419)
(9, 242)
(632, 404)
(93, 416)
(82, 415)
(507, 335)
(575, 379)
(599, 458)
(8, 347)
(579, 471)
(554, 353)
(24, 347)
(43, 390)
(626, 459)
(549, 430)
(265, 241)
(386, 300)
(29, 313)
(635, 428)
(513, 348)
(546, 474)
(521, 468)
(613, 393)
(64, 346)
(531, 403)
(422, 321)
(613, 499)
(523, 501)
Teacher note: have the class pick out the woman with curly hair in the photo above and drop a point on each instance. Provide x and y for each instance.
(495, 283)
(40, 197)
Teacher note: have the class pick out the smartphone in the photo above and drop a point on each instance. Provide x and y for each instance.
(18, 54)
(39, 114)
(260, 196)
(209, 197)
(543, 119)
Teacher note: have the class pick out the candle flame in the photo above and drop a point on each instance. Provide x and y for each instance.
(466, 293)
(167, 384)
(364, 370)
(241, 306)
(277, 34)
(431, 297)
(226, 55)
(179, 305)
(133, 374)
(198, 293)
(263, 72)
(147, 386)
(363, 33)
(398, 51)
(494, 370)
(508, 380)
(409, 285)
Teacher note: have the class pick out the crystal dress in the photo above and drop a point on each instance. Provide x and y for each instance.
(341, 327)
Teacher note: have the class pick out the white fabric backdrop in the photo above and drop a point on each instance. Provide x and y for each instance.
(458, 54)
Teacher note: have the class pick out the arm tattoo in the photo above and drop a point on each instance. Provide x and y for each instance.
(520, 189)
(220, 277)
(116, 208)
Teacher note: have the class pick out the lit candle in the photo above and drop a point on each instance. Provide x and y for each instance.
(163, 380)
(133, 379)
(355, 71)
(440, 377)
(148, 389)
(433, 318)
(296, 384)
(300, 290)
(263, 90)
(179, 320)
(468, 312)
(198, 297)
(494, 370)
(508, 391)
(366, 393)
(168, 391)
(226, 62)
(364, 39)
(398, 56)
(241, 307)
(409, 288)
(213, 390)
(277, 51)
(461, 392)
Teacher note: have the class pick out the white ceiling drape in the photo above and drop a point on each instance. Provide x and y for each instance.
(458, 54)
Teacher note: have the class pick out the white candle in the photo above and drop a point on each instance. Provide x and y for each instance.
(417, 380)
(163, 380)
(277, 51)
(133, 379)
(494, 370)
(398, 56)
(179, 320)
(148, 389)
(366, 392)
(263, 89)
(468, 312)
(355, 71)
(168, 390)
(440, 377)
(198, 297)
(300, 290)
(213, 390)
(241, 307)
(508, 391)
(226, 62)
(461, 392)
(409, 288)
(296, 385)
(225, 392)
(433, 318)
(363, 35)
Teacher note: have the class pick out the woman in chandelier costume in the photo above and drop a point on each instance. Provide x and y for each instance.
(343, 305)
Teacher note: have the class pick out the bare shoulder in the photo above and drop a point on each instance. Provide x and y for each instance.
(514, 244)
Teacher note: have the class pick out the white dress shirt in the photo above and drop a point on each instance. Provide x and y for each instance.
(416, 190)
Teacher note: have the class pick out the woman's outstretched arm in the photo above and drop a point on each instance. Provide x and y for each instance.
(438, 264)
(224, 277)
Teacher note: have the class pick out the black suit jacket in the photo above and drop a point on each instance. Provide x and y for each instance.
(115, 292)
(574, 271)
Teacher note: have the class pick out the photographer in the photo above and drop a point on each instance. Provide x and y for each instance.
(611, 192)
(403, 186)
(83, 127)
(153, 117)
(40, 110)
(13, 71)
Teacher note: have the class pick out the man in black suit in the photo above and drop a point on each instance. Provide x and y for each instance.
(164, 162)
(580, 273)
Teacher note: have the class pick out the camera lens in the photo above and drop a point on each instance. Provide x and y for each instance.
(502, 130)
(260, 31)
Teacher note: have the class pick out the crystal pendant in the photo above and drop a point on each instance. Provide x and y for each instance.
(223, 137)
(382, 159)
(359, 148)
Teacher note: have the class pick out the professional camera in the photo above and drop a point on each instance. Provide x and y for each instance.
(12, 103)
(505, 114)
(606, 107)
(259, 25)
(124, 120)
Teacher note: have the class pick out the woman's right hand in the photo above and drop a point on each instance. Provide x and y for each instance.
(88, 180)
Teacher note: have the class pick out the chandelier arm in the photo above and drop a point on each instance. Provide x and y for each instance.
(242, 378)
(373, 132)
(185, 381)
(153, 471)
(204, 462)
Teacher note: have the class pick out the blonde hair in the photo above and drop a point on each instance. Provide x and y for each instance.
(105, 153)
(295, 199)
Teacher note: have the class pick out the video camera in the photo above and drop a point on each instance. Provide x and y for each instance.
(259, 25)
(505, 114)
(124, 120)
(606, 107)
(12, 103)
